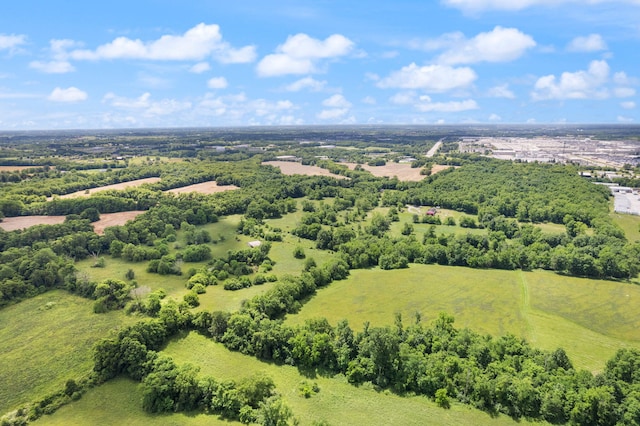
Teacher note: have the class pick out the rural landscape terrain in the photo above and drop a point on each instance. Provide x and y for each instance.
(345, 275)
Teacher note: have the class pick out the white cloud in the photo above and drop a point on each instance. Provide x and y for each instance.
(590, 43)
(501, 91)
(200, 67)
(434, 78)
(336, 101)
(498, 45)
(426, 105)
(306, 83)
(623, 79)
(628, 105)
(217, 83)
(481, 5)
(332, 114)
(624, 92)
(197, 43)
(52, 67)
(574, 85)
(369, 100)
(11, 42)
(147, 106)
(71, 94)
(300, 54)
(495, 117)
(623, 119)
(403, 98)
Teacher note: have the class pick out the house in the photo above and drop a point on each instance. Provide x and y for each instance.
(432, 211)
(254, 244)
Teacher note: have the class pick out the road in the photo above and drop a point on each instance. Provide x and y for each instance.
(434, 149)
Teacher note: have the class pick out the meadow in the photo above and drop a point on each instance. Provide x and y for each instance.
(47, 340)
(590, 319)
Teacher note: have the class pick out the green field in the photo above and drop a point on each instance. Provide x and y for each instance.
(338, 402)
(47, 340)
(629, 223)
(590, 319)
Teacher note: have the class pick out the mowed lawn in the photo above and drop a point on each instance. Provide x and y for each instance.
(590, 319)
(47, 340)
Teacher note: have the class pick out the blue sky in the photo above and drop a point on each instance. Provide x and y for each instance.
(169, 63)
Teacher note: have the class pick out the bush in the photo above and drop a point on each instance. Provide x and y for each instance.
(298, 253)
(192, 299)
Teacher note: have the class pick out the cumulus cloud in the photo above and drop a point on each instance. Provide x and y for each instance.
(513, 5)
(495, 117)
(306, 83)
(501, 91)
(574, 85)
(238, 109)
(200, 67)
(425, 104)
(217, 83)
(628, 105)
(624, 92)
(332, 114)
(498, 45)
(336, 101)
(70, 94)
(300, 54)
(433, 78)
(369, 100)
(197, 43)
(52, 67)
(590, 43)
(12, 42)
(146, 106)
(60, 58)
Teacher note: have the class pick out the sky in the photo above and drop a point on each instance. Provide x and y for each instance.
(198, 63)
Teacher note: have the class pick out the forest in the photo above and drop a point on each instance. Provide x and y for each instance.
(499, 208)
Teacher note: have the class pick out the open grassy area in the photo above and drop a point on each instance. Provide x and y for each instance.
(47, 340)
(119, 402)
(629, 223)
(338, 402)
(590, 319)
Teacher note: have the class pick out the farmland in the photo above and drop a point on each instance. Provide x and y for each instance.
(480, 276)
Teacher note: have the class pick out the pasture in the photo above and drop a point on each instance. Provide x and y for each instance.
(47, 340)
(337, 403)
(116, 186)
(590, 319)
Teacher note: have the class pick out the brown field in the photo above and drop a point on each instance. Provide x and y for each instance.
(117, 186)
(292, 168)
(440, 167)
(17, 168)
(114, 219)
(106, 219)
(403, 171)
(23, 222)
(203, 188)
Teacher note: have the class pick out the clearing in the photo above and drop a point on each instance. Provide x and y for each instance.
(114, 219)
(116, 186)
(206, 188)
(403, 171)
(293, 168)
(558, 311)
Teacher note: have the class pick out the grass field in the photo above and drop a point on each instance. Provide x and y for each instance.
(47, 340)
(338, 402)
(590, 319)
(629, 223)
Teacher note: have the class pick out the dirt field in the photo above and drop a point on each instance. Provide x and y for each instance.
(114, 219)
(203, 188)
(23, 222)
(292, 168)
(116, 186)
(439, 167)
(403, 171)
(16, 168)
